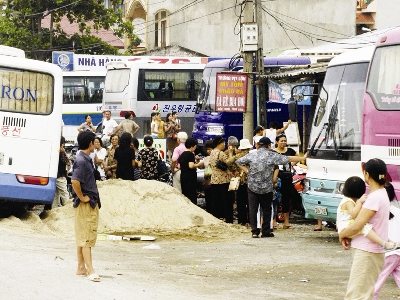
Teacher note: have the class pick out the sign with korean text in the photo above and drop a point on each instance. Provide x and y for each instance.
(231, 92)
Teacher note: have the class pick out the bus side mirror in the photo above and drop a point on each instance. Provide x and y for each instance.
(292, 107)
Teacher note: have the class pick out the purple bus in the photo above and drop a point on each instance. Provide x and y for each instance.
(209, 123)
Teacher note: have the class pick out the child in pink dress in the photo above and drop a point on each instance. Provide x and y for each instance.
(392, 258)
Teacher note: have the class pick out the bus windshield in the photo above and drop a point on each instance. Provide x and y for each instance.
(336, 131)
(117, 80)
(384, 79)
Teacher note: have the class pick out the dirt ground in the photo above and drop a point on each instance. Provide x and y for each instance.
(194, 264)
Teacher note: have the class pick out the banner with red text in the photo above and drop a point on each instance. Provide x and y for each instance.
(231, 92)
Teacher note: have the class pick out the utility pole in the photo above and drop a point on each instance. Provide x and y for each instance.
(262, 95)
(252, 51)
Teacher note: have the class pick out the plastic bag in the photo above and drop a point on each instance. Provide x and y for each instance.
(208, 171)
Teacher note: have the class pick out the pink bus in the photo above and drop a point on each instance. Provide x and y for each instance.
(381, 129)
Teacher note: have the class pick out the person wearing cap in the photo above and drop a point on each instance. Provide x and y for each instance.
(242, 200)
(181, 138)
(259, 182)
(219, 181)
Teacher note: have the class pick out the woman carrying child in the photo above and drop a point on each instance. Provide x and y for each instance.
(368, 257)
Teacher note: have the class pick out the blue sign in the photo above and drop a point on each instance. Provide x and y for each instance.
(64, 60)
(280, 93)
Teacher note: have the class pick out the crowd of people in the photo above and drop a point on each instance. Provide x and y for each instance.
(370, 221)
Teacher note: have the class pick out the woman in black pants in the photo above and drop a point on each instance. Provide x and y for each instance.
(288, 192)
(188, 167)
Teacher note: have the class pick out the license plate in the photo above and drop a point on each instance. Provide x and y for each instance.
(1, 158)
(320, 210)
(199, 141)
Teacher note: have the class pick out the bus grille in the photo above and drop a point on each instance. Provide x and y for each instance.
(394, 142)
(394, 152)
(10, 121)
(394, 147)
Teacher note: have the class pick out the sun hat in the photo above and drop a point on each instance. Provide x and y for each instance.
(245, 144)
(264, 141)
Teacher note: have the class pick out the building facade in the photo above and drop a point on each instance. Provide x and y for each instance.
(213, 27)
(377, 14)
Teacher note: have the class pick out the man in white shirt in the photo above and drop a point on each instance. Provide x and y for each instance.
(109, 126)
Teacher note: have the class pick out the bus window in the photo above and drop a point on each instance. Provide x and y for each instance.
(83, 89)
(168, 85)
(384, 79)
(117, 80)
(17, 97)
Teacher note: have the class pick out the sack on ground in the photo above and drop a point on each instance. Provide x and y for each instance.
(234, 183)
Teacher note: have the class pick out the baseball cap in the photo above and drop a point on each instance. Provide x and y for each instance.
(264, 141)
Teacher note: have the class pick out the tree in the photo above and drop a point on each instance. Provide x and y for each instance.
(21, 26)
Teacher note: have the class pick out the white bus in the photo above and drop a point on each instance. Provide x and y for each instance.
(142, 88)
(82, 95)
(30, 124)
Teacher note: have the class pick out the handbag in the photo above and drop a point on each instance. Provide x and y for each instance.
(162, 167)
(220, 164)
(234, 183)
(174, 136)
(96, 174)
(285, 175)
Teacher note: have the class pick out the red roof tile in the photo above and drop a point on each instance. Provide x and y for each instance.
(107, 36)
(364, 18)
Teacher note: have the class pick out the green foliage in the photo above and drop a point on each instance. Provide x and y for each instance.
(21, 26)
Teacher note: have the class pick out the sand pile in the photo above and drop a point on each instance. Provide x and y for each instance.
(143, 206)
(147, 204)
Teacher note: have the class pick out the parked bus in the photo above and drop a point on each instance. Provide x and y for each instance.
(209, 123)
(142, 88)
(82, 95)
(30, 118)
(354, 122)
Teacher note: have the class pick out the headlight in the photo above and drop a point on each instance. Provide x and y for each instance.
(216, 129)
(339, 187)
